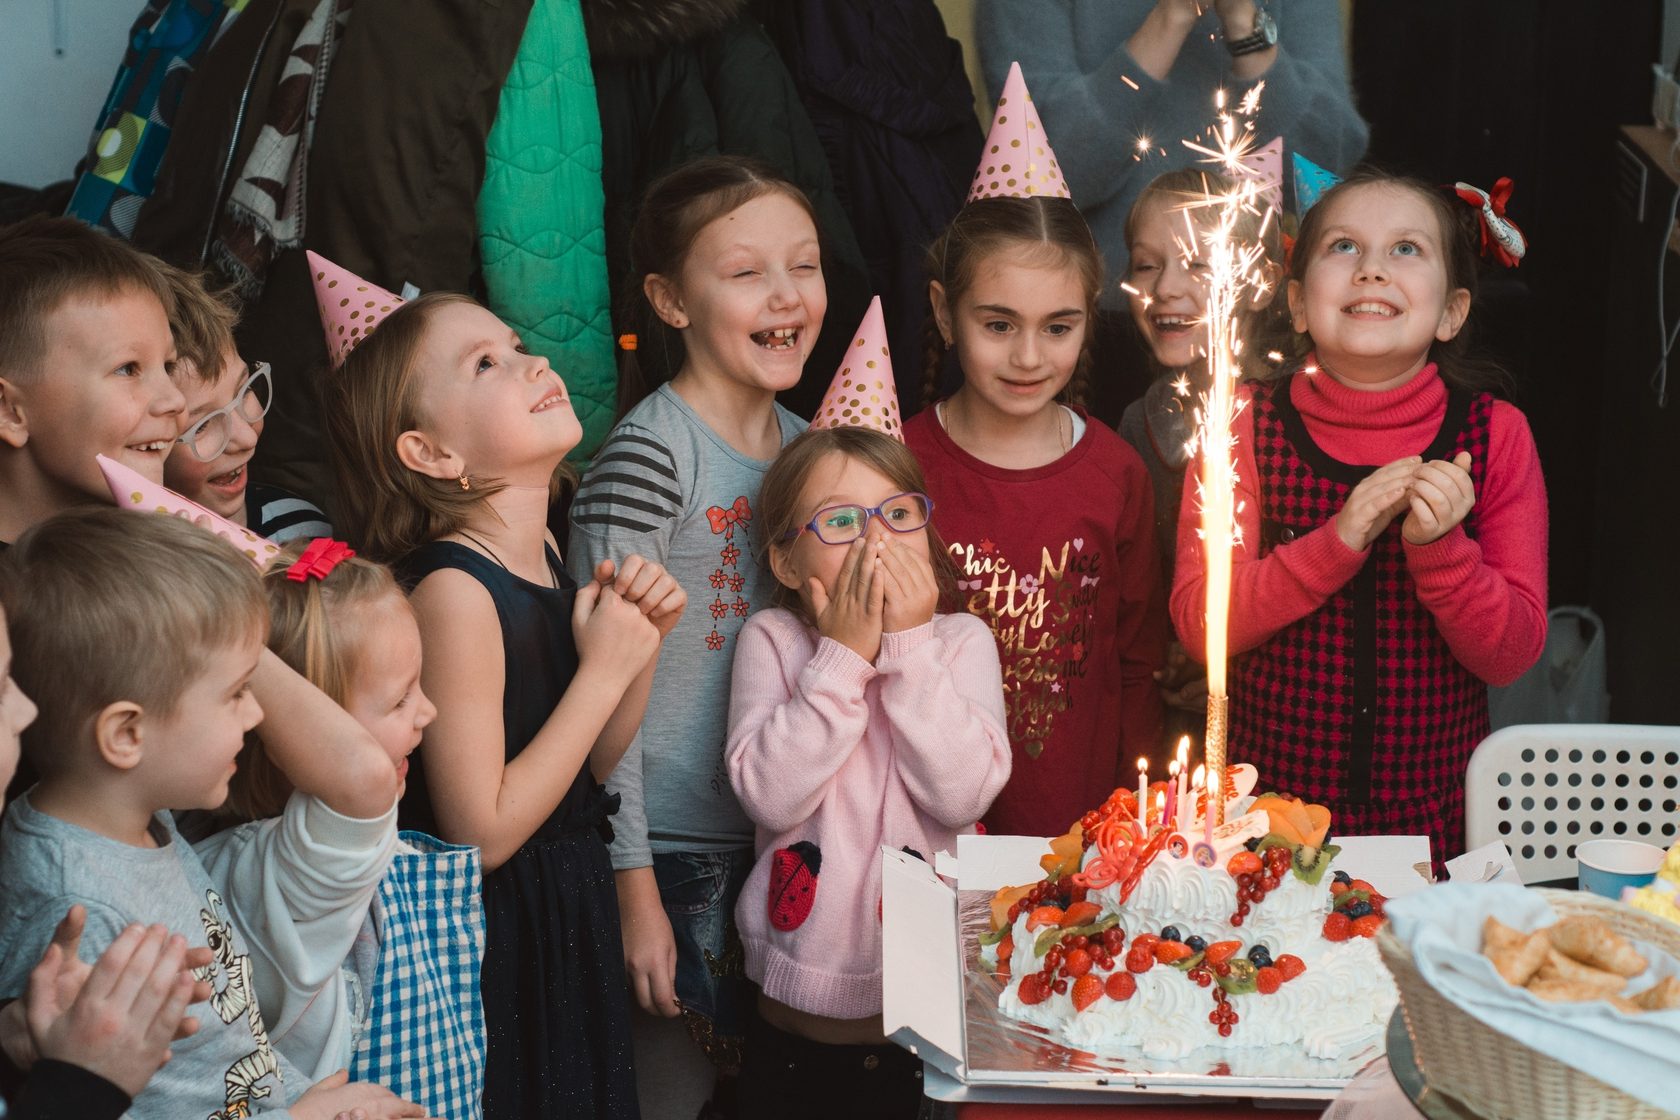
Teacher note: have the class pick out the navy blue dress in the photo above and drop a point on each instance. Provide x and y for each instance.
(556, 1010)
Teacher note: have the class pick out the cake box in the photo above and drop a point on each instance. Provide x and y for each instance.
(938, 1003)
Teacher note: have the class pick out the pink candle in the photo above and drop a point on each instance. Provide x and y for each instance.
(1183, 819)
(1207, 817)
(1169, 817)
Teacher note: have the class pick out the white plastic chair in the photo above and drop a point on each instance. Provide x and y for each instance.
(1543, 788)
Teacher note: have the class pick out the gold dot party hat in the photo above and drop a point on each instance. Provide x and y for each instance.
(862, 393)
(1017, 161)
(350, 306)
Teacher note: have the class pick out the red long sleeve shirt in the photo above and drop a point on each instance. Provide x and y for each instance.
(1060, 562)
(1487, 595)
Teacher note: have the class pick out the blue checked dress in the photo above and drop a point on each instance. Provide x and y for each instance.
(425, 1020)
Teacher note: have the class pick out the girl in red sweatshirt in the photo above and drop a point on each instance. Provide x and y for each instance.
(1392, 560)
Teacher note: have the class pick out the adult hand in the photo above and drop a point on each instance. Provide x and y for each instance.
(124, 1011)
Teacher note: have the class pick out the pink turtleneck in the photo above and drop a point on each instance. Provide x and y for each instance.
(1487, 595)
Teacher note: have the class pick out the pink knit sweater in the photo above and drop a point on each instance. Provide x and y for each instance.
(1488, 595)
(827, 749)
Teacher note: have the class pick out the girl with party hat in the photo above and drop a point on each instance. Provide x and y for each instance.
(859, 717)
(726, 264)
(1047, 512)
(449, 441)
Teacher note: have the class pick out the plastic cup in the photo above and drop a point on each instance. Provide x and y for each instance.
(1607, 866)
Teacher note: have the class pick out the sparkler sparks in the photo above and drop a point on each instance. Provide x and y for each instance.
(1235, 270)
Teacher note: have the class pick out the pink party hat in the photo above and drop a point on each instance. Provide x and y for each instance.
(1265, 166)
(1017, 161)
(862, 394)
(133, 490)
(350, 306)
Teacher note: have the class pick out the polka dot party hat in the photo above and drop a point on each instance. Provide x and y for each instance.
(349, 305)
(1265, 167)
(134, 491)
(862, 394)
(1017, 161)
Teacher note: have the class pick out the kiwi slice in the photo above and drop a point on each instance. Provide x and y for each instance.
(1242, 977)
(1049, 937)
(1310, 864)
(1190, 962)
(1348, 898)
(1274, 840)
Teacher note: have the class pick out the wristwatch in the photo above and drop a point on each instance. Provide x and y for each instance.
(1264, 36)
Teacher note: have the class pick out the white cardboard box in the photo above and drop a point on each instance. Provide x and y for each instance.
(922, 954)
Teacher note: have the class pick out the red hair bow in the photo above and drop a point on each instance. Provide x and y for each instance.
(1500, 235)
(321, 557)
(737, 514)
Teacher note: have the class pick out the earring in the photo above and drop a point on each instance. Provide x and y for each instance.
(465, 484)
(680, 322)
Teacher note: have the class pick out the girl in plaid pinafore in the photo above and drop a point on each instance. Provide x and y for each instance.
(1393, 554)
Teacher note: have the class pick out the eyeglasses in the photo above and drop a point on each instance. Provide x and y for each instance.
(902, 513)
(209, 436)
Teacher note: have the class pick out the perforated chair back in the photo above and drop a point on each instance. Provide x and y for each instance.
(1543, 788)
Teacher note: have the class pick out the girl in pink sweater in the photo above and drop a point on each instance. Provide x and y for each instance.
(1393, 516)
(858, 717)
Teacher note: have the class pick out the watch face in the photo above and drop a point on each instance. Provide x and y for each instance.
(1266, 27)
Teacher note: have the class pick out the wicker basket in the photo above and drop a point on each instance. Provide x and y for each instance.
(1493, 1074)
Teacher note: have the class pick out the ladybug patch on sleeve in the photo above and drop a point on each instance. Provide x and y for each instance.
(793, 884)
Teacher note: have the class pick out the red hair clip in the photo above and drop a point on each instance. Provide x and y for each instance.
(1501, 238)
(320, 558)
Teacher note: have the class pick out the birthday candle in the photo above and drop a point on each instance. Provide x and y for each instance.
(1143, 790)
(1169, 814)
(1207, 817)
(1182, 820)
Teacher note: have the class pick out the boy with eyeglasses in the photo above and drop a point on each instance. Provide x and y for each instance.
(226, 401)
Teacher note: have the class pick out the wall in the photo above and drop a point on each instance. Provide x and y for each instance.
(51, 101)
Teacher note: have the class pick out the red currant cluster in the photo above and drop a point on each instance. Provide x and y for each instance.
(1257, 875)
(1069, 959)
(1223, 1015)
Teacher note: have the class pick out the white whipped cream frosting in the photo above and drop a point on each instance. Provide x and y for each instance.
(1344, 997)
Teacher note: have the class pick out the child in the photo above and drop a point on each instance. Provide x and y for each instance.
(90, 1038)
(449, 441)
(1167, 287)
(391, 991)
(1047, 511)
(122, 738)
(85, 355)
(858, 718)
(1393, 517)
(225, 405)
(728, 269)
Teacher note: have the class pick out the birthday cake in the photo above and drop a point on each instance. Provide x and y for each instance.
(1166, 934)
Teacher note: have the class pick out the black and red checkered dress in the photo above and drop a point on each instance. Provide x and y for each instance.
(1359, 706)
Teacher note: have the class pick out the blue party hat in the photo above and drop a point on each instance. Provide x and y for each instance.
(1311, 181)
